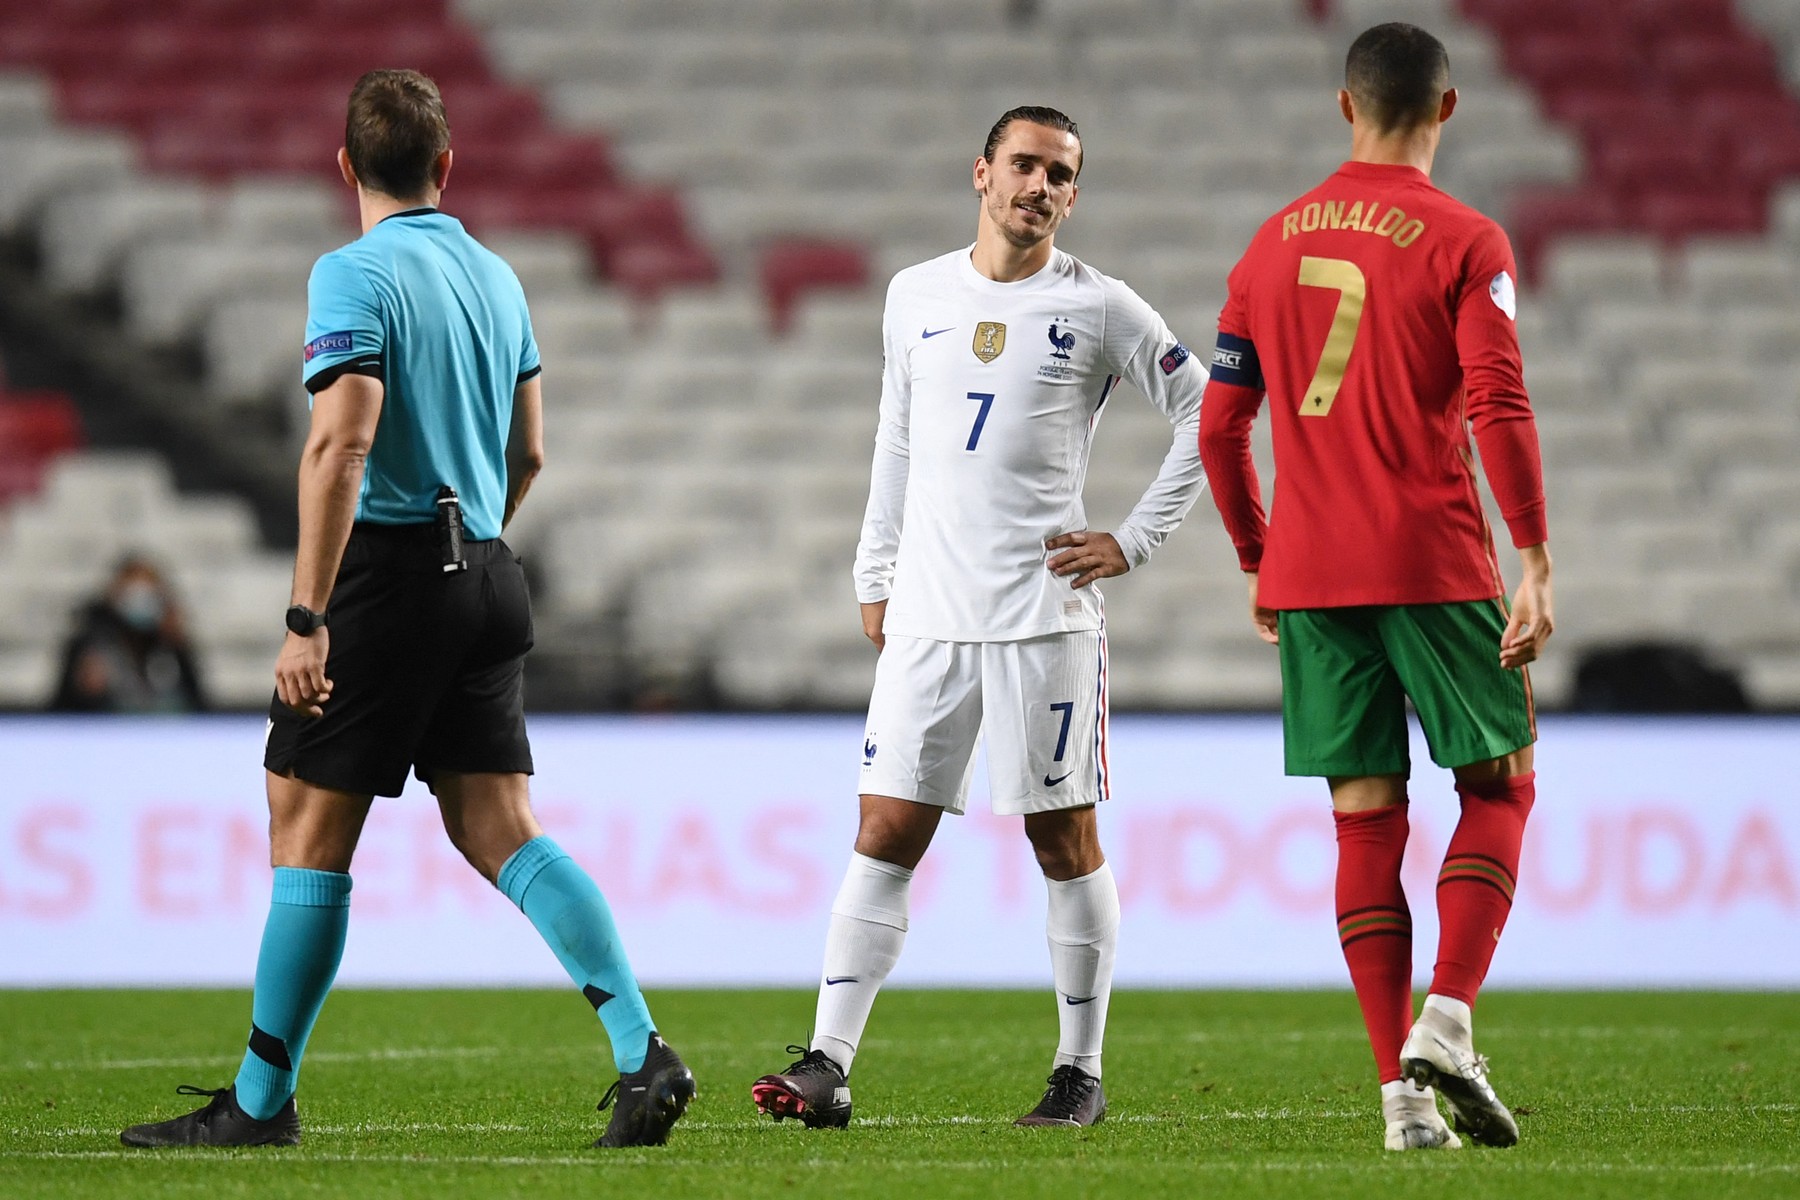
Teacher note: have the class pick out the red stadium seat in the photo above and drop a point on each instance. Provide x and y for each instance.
(1604, 115)
(66, 52)
(647, 269)
(1656, 160)
(1536, 215)
(306, 148)
(1731, 115)
(1764, 160)
(354, 11)
(1563, 61)
(1655, 17)
(69, 13)
(215, 151)
(35, 427)
(481, 109)
(563, 157)
(19, 477)
(293, 53)
(602, 216)
(792, 268)
(176, 54)
(449, 54)
(1675, 216)
(484, 210)
(222, 88)
(211, 13)
(40, 423)
(632, 215)
(1515, 17)
(107, 100)
(1691, 65)
(538, 160)
(1683, 113)
(286, 103)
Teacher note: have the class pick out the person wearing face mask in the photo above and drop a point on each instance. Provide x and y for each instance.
(129, 651)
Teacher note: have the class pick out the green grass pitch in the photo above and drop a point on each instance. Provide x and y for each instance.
(1213, 1094)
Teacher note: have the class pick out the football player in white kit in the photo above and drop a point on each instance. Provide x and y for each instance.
(974, 572)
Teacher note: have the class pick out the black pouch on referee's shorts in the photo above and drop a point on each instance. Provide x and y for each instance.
(450, 531)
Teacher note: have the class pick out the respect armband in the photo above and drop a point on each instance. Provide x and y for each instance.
(1234, 362)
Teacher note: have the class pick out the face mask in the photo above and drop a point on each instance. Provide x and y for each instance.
(140, 606)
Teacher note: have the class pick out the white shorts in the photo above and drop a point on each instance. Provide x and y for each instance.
(1040, 703)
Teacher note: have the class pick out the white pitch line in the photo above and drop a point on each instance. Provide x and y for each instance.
(416, 1053)
(389, 1054)
(664, 1161)
(1231, 1114)
(918, 1122)
(888, 1122)
(1113, 1119)
(595, 1050)
(1350, 1034)
(1237, 1036)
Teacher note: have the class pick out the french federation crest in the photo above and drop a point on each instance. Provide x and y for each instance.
(990, 340)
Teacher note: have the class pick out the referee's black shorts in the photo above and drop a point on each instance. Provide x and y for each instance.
(427, 668)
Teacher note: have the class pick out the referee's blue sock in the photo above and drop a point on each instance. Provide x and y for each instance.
(571, 915)
(302, 944)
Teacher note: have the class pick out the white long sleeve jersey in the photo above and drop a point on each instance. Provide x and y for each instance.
(989, 399)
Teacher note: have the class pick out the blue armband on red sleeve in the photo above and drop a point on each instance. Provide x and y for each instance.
(1234, 362)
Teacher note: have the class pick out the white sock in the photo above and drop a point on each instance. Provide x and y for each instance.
(1401, 1099)
(1083, 927)
(1455, 1010)
(868, 927)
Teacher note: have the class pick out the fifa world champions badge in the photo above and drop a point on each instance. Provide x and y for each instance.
(990, 340)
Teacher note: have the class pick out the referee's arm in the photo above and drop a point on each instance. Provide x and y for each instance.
(344, 416)
(524, 443)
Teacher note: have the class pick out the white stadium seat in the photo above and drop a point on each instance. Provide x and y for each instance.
(45, 163)
(1592, 268)
(579, 325)
(85, 237)
(690, 442)
(26, 101)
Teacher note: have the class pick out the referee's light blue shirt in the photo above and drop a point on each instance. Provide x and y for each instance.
(441, 321)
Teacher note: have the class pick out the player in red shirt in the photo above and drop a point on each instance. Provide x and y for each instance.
(1377, 315)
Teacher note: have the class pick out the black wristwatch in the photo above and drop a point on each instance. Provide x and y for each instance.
(304, 621)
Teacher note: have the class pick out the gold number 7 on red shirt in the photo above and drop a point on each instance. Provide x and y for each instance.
(1346, 279)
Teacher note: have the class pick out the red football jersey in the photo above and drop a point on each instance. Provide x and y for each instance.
(1377, 314)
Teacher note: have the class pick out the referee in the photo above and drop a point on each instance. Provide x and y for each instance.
(410, 623)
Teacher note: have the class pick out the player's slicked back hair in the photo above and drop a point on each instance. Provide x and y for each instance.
(1036, 114)
(1398, 75)
(394, 132)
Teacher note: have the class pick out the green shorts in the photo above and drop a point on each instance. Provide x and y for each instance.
(1347, 673)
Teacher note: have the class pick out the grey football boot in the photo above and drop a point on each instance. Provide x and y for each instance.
(1439, 1054)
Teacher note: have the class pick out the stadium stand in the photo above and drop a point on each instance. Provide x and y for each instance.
(705, 202)
(1683, 110)
(857, 122)
(93, 509)
(35, 427)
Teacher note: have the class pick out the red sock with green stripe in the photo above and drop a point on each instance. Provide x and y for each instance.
(1375, 927)
(1475, 887)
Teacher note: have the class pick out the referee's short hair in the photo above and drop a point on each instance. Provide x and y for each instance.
(1398, 75)
(395, 131)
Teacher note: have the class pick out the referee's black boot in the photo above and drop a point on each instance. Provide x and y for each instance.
(647, 1102)
(220, 1123)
